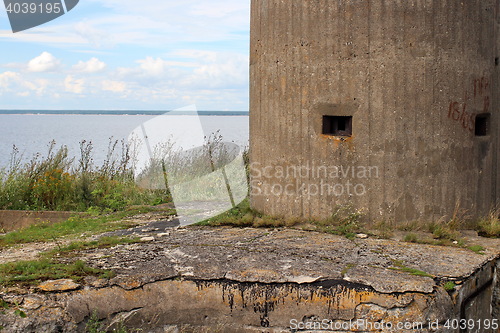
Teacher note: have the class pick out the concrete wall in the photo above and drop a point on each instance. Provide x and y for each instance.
(413, 75)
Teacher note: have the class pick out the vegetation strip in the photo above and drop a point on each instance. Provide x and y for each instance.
(399, 266)
(49, 267)
(57, 182)
(36, 271)
(345, 221)
(74, 226)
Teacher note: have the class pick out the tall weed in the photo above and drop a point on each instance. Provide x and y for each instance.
(56, 182)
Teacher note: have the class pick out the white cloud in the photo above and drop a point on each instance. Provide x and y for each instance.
(44, 35)
(93, 65)
(72, 85)
(160, 22)
(200, 55)
(8, 78)
(45, 62)
(114, 86)
(177, 11)
(95, 34)
(39, 86)
(152, 72)
(199, 70)
(136, 57)
(212, 80)
(217, 70)
(13, 82)
(220, 9)
(153, 67)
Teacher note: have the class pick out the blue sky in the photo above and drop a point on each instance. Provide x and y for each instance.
(125, 54)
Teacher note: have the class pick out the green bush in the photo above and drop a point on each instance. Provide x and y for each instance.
(56, 182)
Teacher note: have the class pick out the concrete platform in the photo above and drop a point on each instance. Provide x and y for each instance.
(201, 279)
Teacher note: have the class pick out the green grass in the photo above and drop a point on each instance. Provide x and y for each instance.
(384, 229)
(448, 230)
(444, 231)
(6, 306)
(240, 216)
(449, 286)
(56, 182)
(399, 266)
(101, 243)
(345, 220)
(411, 238)
(408, 226)
(3, 304)
(35, 271)
(347, 269)
(243, 216)
(477, 249)
(94, 325)
(489, 226)
(49, 268)
(74, 226)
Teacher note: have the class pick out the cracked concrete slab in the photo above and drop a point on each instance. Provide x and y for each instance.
(282, 256)
(250, 278)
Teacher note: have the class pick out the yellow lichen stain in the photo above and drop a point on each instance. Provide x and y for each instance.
(131, 284)
(266, 300)
(339, 140)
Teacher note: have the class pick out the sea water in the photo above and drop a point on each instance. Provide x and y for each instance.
(32, 134)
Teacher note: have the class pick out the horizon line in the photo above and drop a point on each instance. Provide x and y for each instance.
(122, 112)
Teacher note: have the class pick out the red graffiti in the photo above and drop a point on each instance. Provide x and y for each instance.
(481, 101)
(481, 86)
(458, 112)
(486, 106)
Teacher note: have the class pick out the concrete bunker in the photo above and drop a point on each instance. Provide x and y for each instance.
(407, 87)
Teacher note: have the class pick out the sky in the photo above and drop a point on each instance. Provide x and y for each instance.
(125, 54)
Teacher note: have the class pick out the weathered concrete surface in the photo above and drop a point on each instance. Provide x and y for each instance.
(412, 74)
(256, 280)
(11, 220)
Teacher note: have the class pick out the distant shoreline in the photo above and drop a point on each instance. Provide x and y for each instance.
(121, 112)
